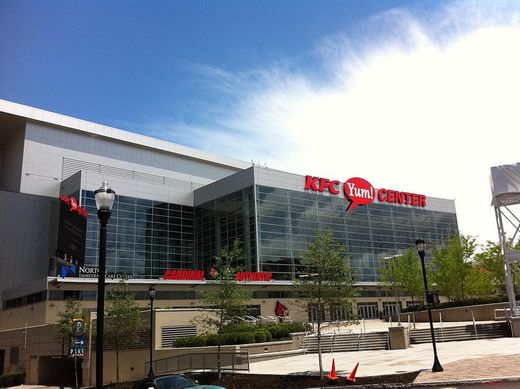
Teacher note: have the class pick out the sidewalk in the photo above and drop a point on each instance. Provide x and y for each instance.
(489, 359)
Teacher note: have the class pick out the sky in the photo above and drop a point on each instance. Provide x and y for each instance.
(418, 96)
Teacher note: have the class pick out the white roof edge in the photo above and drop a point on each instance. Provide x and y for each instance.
(115, 133)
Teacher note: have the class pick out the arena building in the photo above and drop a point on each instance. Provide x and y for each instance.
(176, 208)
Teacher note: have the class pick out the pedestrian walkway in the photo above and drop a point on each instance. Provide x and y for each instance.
(462, 361)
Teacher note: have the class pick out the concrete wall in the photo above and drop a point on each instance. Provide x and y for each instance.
(11, 161)
(32, 342)
(47, 148)
(27, 225)
(479, 312)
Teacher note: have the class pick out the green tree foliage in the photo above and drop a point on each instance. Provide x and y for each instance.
(409, 275)
(228, 298)
(451, 266)
(488, 278)
(387, 276)
(402, 275)
(65, 329)
(327, 280)
(123, 320)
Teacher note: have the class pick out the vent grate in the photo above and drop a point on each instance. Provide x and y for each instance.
(169, 334)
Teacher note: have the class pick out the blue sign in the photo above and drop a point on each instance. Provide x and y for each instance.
(78, 347)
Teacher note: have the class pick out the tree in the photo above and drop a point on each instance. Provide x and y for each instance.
(123, 320)
(402, 273)
(409, 275)
(388, 277)
(491, 261)
(451, 266)
(326, 282)
(65, 328)
(228, 297)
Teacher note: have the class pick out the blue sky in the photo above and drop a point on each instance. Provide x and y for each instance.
(419, 96)
(130, 63)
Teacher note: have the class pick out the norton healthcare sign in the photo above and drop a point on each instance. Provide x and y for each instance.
(359, 191)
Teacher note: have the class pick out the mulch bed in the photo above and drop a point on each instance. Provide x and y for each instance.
(262, 381)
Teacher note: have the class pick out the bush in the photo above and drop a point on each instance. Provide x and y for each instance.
(243, 334)
(260, 337)
(245, 337)
(239, 327)
(268, 336)
(191, 341)
(213, 340)
(11, 379)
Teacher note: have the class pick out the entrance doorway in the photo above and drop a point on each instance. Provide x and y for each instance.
(367, 311)
(2, 361)
(58, 371)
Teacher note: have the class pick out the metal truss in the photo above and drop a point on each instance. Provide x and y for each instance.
(508, 224)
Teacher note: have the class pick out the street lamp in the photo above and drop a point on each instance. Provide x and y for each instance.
(104, 201)
(420, 245)
(151, 293)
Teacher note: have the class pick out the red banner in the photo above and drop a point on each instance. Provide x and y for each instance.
(253, 276)
(196, 275)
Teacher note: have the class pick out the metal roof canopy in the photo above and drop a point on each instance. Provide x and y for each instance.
(505, 189)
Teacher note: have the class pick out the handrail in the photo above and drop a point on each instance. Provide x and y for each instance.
(474, 324)
(230, 361)
(442, 329)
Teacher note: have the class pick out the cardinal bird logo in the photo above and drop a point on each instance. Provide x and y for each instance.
(281, 310)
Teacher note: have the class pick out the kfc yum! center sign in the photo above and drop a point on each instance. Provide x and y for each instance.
(359, 191)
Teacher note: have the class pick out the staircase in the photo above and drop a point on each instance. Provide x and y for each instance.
(467, 332)
(347, 342)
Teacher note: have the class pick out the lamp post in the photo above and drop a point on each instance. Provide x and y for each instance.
(420, 245)
(104, 201)
(151, 293)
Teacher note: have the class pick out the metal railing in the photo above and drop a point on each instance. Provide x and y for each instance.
(474, 324)
(229, 361)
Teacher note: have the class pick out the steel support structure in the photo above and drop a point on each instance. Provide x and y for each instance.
(508, 221)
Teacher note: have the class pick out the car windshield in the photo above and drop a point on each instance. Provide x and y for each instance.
(174, 382)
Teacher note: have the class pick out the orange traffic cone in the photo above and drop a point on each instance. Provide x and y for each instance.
(352, 376)
(332, 376)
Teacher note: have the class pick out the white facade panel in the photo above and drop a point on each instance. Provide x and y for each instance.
(43, 162)
(117, 135)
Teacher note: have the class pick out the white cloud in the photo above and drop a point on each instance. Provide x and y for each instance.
(426, 106)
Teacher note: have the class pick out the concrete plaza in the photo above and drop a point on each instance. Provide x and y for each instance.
(487, 359)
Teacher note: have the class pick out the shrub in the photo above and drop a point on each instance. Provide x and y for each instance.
(213, 340)
(268, 336)
(245, 337)
(260, 337)
(282, 330)
(191, 341)
(11, 379)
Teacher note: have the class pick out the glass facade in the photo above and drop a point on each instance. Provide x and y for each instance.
(288, 222)
(147, 237)
(144, 237)
(220, 222)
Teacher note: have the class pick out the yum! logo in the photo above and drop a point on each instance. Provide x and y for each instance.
(359, 191)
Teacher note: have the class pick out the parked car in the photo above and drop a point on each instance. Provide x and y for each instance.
(172, 381)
